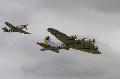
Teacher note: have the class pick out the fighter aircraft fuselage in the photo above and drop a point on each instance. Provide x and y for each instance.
(15, 29)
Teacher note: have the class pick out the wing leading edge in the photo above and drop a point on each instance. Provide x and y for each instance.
(61, 36)
(10, 25)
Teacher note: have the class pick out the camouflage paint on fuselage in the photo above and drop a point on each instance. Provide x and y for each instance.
(86, 46)
(13, 29)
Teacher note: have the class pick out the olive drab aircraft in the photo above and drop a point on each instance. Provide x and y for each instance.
(69, 42)
(49, 45)
(13, 28)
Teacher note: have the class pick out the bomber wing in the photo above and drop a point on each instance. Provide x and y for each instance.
(55, 50)
(61, 36)
(48, 47)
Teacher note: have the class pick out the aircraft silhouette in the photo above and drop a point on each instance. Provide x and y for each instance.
(13, 28)
(69, 42)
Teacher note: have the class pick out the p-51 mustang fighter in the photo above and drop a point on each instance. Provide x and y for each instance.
(12, 28)
(70, 42)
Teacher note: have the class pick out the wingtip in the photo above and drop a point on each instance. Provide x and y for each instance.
(6, 22)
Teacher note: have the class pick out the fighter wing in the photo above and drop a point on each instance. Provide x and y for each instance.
(61, 36)
(10, 25)
(22, 31)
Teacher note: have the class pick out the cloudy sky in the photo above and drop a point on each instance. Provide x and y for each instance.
(21, 58)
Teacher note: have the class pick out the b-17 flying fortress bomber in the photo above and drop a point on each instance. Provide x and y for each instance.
(12, 28)
(68, 42)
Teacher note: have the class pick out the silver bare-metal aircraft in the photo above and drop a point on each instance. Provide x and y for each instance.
(70, 42)
(13, 28)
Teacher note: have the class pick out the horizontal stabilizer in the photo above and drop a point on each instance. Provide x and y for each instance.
(43, 45)
(5, 29)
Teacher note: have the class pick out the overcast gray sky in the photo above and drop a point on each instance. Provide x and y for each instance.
(20, 57)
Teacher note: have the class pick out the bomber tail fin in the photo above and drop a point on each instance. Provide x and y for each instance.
(45, 41)
(39, 40)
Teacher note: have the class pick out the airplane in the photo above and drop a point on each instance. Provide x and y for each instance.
(71, 42)
(52, 46)
(13, 28)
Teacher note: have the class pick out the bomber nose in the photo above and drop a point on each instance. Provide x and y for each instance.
(48, 29)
